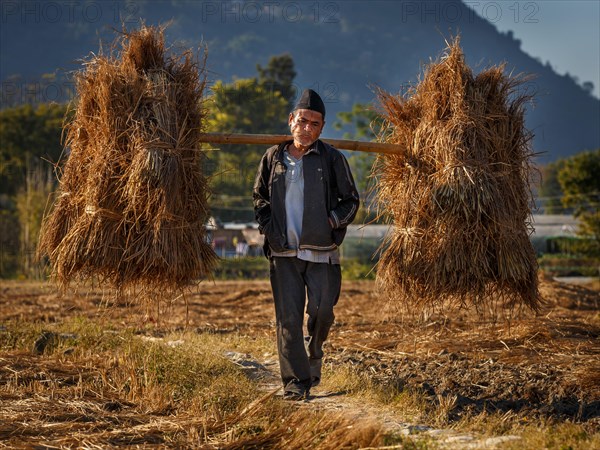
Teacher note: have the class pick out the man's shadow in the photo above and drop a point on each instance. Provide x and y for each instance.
(326, 395)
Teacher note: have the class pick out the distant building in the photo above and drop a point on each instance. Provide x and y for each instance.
(546, 230)
(236, 240)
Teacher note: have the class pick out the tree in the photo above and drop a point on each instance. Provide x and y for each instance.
(588, 87)
(361, 123)
(279, 76)
(9, 242)
(30, 136)
(253, 105)
(27, 135)
(580, 182)
(550, 192)
(31, 202)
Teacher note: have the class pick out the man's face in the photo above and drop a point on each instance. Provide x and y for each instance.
(306, 126)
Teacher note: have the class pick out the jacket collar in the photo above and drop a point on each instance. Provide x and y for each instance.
(315, 148)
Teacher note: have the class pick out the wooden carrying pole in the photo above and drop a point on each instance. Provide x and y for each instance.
(273, 139)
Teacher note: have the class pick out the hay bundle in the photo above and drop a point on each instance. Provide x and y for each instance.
(133, 199)
(459, 197)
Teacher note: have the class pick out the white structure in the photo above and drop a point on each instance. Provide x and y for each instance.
(544, 225)
(553, 225)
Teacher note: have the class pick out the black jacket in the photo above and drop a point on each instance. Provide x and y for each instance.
(329, 192)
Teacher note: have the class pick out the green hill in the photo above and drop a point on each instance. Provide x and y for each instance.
(340, 48)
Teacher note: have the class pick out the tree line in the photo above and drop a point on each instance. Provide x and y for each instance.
(572, 186)
(32, 153)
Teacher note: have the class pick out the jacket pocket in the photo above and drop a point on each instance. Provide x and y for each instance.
(338, 235)
(274, 236)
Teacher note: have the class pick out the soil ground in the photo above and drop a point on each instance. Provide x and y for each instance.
(544, 366)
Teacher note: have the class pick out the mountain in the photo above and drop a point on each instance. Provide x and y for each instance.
(340, 48)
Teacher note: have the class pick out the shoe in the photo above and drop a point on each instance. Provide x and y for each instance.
(295, 391)
(295, 396)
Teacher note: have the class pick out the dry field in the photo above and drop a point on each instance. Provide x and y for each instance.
(83, 370)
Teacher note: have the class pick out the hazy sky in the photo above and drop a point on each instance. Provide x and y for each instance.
(566, 33)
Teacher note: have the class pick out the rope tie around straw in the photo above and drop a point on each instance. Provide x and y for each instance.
(91, 210)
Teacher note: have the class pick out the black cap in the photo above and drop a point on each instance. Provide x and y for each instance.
(311, 100)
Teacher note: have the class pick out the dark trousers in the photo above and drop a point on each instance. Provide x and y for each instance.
(291, 280)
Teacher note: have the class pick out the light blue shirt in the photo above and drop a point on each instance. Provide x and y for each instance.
(294, 210)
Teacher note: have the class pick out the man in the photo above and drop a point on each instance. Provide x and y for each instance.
(304, 198)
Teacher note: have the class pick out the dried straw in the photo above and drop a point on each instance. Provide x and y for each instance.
(459, 197)
(133, 198)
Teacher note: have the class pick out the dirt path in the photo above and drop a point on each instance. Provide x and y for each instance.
(544, 366)
(266, 372)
